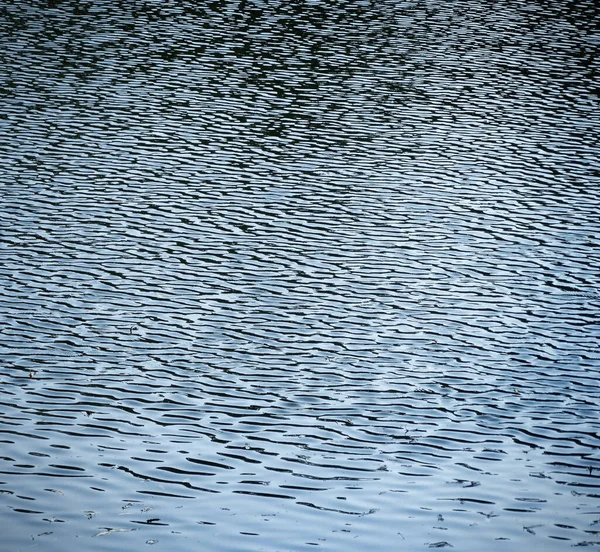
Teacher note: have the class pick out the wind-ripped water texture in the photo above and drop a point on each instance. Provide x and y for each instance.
(284, 275)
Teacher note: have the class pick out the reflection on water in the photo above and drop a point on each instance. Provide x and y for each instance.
(282, 275)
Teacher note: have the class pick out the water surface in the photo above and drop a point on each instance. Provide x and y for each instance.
(285, 275)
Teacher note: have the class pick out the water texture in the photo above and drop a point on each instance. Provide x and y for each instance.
(293, 275)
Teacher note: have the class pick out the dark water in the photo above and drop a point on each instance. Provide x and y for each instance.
(296, 275)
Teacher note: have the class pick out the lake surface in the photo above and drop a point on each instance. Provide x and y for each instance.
(299, 275)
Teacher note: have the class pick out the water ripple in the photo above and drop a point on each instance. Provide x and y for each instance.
(319, 259)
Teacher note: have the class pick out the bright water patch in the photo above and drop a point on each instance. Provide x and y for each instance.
(278, 276)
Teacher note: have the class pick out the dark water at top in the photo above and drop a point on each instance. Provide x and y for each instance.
(296, 275)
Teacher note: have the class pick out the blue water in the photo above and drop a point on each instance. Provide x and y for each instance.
(286, 276)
